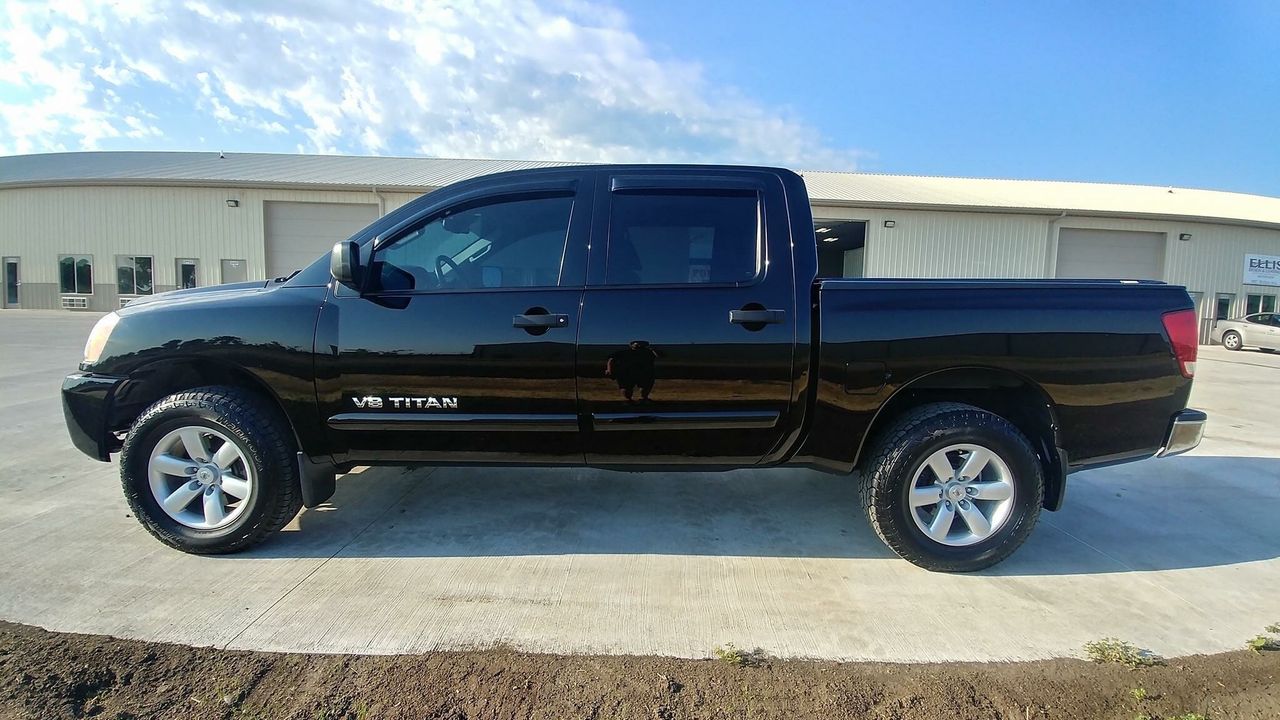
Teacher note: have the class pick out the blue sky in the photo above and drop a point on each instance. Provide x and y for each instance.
(1160, 93)
(1183, 93)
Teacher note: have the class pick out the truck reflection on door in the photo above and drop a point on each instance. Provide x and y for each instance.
(633, 368)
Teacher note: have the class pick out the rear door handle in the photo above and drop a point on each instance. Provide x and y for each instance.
(763, 317)
(549, 320)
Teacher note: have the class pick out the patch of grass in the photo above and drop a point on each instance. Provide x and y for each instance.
(1113, 650)
(1139, 693)
(730, 654)
(1258, 644)
(1190, 716)
(1142, 716)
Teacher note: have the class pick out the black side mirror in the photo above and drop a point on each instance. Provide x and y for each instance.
(344, 263)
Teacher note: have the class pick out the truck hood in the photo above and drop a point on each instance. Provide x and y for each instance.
(228, 289)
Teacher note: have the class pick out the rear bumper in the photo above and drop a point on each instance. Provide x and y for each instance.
(1185, 431)
(86, 405)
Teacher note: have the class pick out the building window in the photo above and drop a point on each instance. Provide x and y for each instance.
(186, 273)
(1259, 303)
(1222, 310)
(75, 274)
(133, 275)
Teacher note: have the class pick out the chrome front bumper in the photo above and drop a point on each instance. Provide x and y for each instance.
(1184, 432)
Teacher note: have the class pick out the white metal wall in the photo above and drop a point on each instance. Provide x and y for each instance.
(37, 224)
(925, 243)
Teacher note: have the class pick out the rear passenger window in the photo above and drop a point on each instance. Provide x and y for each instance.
(671, 238)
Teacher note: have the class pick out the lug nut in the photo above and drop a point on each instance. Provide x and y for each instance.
(964, 504)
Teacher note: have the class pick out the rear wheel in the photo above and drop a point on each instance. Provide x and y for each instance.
(210, 470)
(952, 487)
(1231, 340)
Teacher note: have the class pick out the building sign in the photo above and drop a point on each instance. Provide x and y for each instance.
(1262, 270)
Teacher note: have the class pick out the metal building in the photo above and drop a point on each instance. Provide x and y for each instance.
(92, 230)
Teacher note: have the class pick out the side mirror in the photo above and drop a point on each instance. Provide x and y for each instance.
(344, 263)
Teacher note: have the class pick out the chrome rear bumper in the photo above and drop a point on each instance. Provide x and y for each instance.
(1185, 432)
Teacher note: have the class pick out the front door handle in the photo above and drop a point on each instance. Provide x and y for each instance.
(546, 320)
(757, 317)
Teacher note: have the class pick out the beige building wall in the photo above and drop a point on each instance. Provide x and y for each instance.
(166, 223)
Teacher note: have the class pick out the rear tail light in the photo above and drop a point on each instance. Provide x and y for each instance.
(1180, 325)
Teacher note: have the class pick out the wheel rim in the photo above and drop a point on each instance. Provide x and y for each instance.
(1231, 341)
(200, 477)
(961, 495)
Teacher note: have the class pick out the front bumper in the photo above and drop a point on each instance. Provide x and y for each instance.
(1185, 431)
(86, 405)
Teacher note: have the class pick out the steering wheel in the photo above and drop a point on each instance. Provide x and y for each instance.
(444, 260)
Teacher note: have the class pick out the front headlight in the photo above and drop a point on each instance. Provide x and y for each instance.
(98, 337)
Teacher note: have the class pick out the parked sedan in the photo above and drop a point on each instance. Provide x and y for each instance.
(1260, 330)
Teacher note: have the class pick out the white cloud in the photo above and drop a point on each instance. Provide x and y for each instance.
(559, 79)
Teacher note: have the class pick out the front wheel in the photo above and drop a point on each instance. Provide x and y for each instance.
(211, 470)
(952, 487)
(1231, 340)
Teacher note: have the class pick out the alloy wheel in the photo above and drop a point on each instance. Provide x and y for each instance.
(200, 477)
(961, 495)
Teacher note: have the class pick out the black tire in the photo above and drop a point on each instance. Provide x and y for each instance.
(257, 427)
(903, 447)
(1238, 341)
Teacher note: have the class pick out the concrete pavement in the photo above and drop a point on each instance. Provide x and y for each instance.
(1179, 555)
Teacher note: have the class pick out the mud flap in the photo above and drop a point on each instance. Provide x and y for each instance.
(318, 481)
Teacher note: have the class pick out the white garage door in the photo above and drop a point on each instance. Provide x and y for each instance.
(1114, 254)
(298, 233)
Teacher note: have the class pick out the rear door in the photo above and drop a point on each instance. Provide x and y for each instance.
(689, 319)
(1269, 335)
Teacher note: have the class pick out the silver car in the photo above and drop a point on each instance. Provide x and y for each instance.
(1260, 330)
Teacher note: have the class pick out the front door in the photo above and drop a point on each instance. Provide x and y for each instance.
(685, 349)
(460, 346)
(12, 283)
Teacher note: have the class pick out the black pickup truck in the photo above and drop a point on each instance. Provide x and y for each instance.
(633, 318)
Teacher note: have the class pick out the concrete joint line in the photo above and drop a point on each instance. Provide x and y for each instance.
(324, 562)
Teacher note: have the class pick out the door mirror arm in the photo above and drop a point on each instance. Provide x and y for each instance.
(344, 263)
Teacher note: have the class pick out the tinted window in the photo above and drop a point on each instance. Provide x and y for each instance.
(1259, 319)
(511, 243)
(75, 274)
(133, 275)
(681, 238)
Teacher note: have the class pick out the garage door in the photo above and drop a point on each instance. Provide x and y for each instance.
(298, 233)
(1115, 254)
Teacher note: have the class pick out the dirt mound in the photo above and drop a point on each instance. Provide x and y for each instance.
(57, 675)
